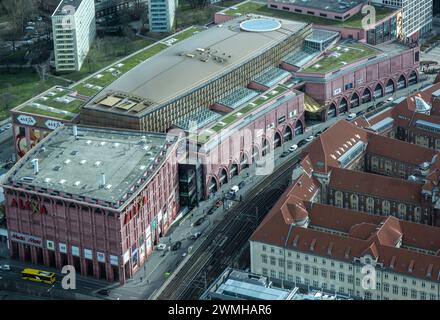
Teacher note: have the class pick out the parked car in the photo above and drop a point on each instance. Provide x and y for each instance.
(380, 104)
(310, 138)
(301, 143)
(234, 190)
(176, 246)
(241, 184)
(5, 267)
(351, 116)
(293, 147)
(390, 99)
(198, 222)
(218, 203)
(195, 235)
(161, 246)
(103, 292)
(285, 154)
(211, 210)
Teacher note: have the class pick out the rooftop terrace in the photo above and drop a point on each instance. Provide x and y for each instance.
(240, 113)
(262, 9)
(57, 102)
(73, 166)
(65, 6)
(340, 56)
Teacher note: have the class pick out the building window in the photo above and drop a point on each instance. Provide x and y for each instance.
(386, 287)
(324, 273)
(332, 275)
(315, 271)
(350, 278)
(413, 294)
(264, 271)
(290, 278)
(273, 274)
(289, 264)
(281, 262)
(272, 261)
(404, 291)
(298, 267)
(395, 289)
(341, 277)
(263, 258)
(306, 269)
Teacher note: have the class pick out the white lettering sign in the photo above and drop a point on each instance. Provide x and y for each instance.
(26, 239)
(114, 260)
(28, 120)
(75, 251)
(62, 247)
(52, 124)
(88, 254)
(100, 256)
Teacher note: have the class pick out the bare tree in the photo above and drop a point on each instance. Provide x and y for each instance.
(42, 71)
(6, 100)
(19, 12)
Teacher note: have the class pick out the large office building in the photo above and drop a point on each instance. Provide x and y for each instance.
(161, 15)
(96, 199)
(416, 16)
(193, 74)
(74, 29)
(415, 119)
(361, 202)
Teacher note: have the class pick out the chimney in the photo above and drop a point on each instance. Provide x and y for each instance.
(103, 179)
(35, 165)
(75, 131)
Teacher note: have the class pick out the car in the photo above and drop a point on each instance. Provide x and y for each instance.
(301, 143)
(241, 184)
(211, 210)
(195, 235)
(351, 116)
(390, 99)
(5, 267)
(103, 292)
(380, 104)
(218, 203)
(310, 138)
(285, 154)
(161, 246)
(198, 222)
(318, 134)
(176, 246)
(234, 190)
(293, 147)
(370, 109)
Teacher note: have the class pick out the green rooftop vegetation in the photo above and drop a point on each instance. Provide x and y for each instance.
(89, 87)
(340, 56)
(55, 103)
(262, 9)
(230, 118)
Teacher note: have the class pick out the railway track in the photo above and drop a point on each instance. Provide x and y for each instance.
(210, 258)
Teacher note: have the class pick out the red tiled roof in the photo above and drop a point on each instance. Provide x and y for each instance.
(365, 234)
(331, 142)
(399, 150)
(375, 185)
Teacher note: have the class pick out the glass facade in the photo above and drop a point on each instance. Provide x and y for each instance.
(383, 32)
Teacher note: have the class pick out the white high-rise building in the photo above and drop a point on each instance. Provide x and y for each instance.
(161, 15)
(74, 29)
(416, 15)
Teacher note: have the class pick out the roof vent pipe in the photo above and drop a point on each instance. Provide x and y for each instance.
(35, 165)
(102, 179)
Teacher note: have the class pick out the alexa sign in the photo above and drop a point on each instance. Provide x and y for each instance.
(52, 124)
(28, 120)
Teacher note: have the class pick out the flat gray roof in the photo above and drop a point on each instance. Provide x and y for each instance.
(75, 166)
(65, 6)
(340, 6)
(177, 70)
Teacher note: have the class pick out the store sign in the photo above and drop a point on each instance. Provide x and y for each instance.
(28, 120)
(100, 256)
(159, 216)
(147, 232)
(337, 91)
(154, 223)
(75, 251)
(26, 239)
(114, 261)
(142, 251)
(52, 124)
(50, 245)
(134, 257)
(62, 247)
(88, 254)
(126, 256)
(148, 244)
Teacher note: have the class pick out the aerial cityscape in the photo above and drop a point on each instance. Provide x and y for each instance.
(221, 150)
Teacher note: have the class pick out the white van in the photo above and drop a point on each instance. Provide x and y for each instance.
(234, 190)
(351, 116)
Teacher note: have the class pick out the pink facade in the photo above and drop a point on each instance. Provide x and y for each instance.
(247, 143)
(98, 241)
(361, 81)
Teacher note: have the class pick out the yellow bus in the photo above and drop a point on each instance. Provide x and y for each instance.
(38, 275)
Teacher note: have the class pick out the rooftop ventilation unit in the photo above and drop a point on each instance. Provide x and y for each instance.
(35, 166)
